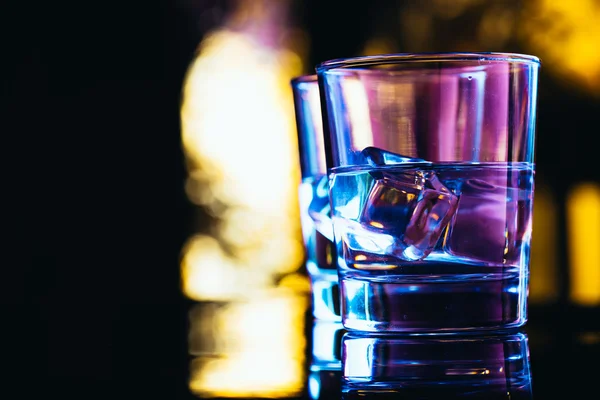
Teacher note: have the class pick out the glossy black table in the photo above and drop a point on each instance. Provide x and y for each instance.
(554, 355)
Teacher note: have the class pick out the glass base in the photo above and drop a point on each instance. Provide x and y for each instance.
(433, 306)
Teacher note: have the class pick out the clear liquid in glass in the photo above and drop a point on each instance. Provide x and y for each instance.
(433, 246)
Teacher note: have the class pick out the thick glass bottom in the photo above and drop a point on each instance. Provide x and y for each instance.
(391, 304)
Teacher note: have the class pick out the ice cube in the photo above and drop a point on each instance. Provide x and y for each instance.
(413, 207)
(485, 221)
(378, 158)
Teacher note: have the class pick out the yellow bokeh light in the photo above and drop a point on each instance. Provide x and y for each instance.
(452, 9)
(378, 45)
(496, 26)
(543, 283)
(209, 273)
(239, 137)
(259, 348)
(237, 116)
(583, 224)
(566, 35)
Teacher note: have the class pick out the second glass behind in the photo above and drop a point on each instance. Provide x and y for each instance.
(431, 162)
(315, 211)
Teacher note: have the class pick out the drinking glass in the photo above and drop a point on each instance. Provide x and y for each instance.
(314, 200)
(431, 164)
(430, 367)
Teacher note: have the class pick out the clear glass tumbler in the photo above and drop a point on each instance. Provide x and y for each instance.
(315, 209)
(431, 166)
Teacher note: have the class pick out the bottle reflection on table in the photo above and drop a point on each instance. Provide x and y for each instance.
(436, 367)
(325, 374)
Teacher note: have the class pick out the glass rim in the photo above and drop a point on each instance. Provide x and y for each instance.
(304, 79)
(396, 58)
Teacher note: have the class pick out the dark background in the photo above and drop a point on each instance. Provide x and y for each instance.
(97, 214)
(91, 300)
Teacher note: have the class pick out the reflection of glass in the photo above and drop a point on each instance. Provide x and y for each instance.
(314, 199)
(326, 366)
(431, 177)
(430, 367)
